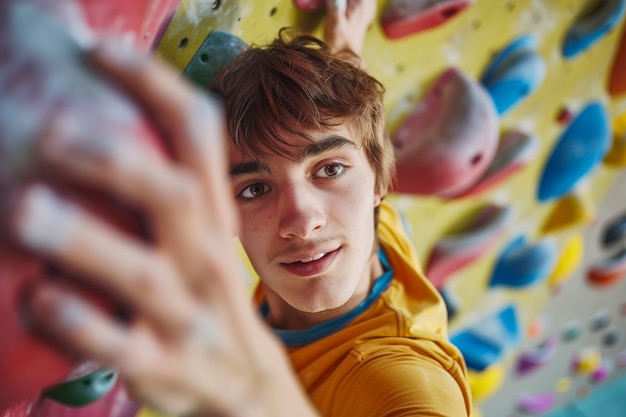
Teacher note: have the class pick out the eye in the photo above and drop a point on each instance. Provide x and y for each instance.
(254, 190)
(330, 170)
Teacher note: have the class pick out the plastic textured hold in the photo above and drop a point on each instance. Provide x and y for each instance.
(603, 372)
(536, 403)
(217, 51)
(448, 140)
(593, 26)
(310, 5)
(615, 232)
(514, 73)
(515, 150)
(533, 359)
(569, 261)
(138, 21)
(617, 78)
(115, 402)
(406, 17)
(486, 342)
(521, 264)
(579, 149)
(41, 68)
(609, 271)
(611, 337)
(462, 248)
(600, 320)
(451, 301)
(81, 391)
(484, 384)
(572, 331)
(616, 156)
(587, 361)
(571, 211)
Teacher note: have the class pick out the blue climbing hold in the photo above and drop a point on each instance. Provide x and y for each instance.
(593, 26)
(514, 73)
(487, 341)
(581, 147)
(521, 264)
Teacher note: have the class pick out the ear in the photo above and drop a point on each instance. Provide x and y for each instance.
(379, 193)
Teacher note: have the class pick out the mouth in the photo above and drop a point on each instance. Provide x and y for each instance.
(312, 258)
(313, 265)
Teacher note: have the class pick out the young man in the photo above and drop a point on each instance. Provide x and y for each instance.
(308, 163)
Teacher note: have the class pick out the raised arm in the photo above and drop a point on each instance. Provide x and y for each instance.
(347, 23)
(194, 344)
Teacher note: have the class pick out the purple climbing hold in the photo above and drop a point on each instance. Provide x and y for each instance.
(536, 403)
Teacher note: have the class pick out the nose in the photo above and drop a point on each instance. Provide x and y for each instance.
(301, 212)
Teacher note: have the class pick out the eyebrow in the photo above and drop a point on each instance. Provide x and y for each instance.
(309, 151)
(327, 144)
(249, 168)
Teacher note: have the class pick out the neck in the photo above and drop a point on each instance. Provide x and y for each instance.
(284, 316)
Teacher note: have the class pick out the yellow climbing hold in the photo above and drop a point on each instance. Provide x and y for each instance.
(486, 382)
(616, 157)
(569, 260)
(573, 210)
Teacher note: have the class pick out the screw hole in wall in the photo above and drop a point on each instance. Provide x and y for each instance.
(273, 11)
(204, 58)
(216, 4)
(183, 43)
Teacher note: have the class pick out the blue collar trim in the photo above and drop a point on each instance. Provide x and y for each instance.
(296, 338)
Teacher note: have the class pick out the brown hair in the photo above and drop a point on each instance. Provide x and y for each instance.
(293, 84)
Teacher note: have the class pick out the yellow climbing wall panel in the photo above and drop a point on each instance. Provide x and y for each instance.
(408, 66)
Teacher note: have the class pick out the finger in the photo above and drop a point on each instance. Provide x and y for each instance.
(49, 225)
(134, 171)
(192, 120)
(73, 323)
(336, 7)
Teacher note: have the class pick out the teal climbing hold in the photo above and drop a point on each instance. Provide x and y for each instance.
(84, 390)
(217, 51)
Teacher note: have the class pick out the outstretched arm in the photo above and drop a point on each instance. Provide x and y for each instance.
(194, 345)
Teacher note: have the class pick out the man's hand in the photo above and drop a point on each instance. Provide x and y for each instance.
(194, 343)
(347, 22)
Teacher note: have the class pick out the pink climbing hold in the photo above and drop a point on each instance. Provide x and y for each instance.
(310, 5)
(448, 140)
(405, 17)
(515, 150)
(458, 250)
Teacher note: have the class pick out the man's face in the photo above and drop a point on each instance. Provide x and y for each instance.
(307, 224)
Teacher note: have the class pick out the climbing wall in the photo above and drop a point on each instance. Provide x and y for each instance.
(508, 120)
